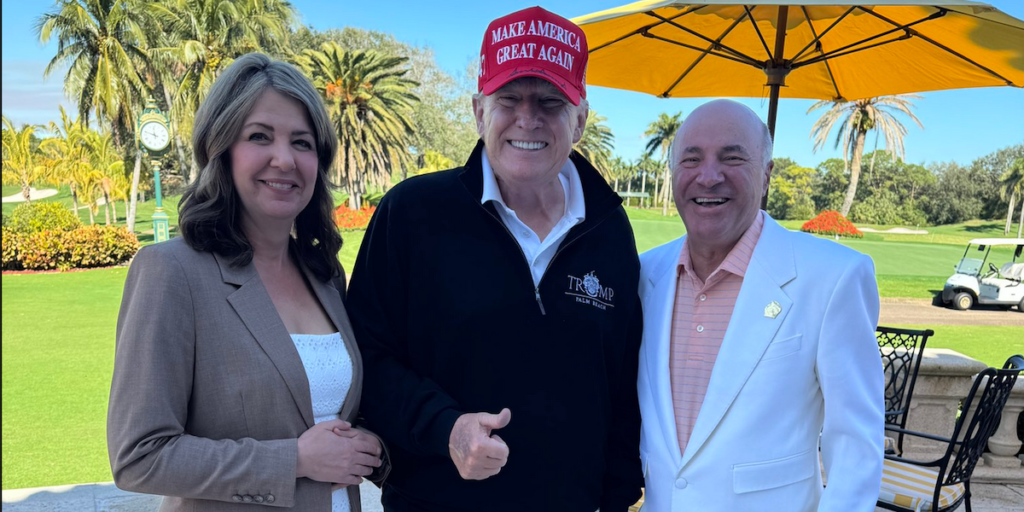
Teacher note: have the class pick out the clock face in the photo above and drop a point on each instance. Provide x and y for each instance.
(154, 136)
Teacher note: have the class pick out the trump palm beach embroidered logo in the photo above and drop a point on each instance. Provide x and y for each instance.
(588, 290)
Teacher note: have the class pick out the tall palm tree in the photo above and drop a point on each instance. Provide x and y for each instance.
(660, 133)
(370, 102)
(21, 163)
(205, 36)
(102, 43)
(597, 143)
(1011, 187)
(855, 119)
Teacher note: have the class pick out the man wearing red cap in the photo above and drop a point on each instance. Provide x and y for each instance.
(496, 304)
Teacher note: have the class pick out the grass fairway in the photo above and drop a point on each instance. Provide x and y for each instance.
(58, 354)
(988, 344)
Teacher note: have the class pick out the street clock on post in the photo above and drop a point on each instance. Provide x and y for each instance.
(154, 130)
(153, 135)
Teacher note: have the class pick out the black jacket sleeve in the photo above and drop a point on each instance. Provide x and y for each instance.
(403, 407)
(623, 476)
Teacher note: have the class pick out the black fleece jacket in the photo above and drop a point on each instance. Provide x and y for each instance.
(448, 321)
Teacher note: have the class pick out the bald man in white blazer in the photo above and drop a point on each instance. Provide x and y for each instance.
(798, 366)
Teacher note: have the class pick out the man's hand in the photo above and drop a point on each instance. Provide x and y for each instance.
(476, 453)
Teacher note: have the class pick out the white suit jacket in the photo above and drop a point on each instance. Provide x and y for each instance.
(777, 384)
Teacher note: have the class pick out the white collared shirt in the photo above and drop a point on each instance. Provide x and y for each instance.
(538, 253)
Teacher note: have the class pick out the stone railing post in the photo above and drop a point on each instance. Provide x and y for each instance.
(1004, 444)
(944, 379)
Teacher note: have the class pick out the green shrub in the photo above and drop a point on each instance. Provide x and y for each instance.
(12, 240)
(100, 246)
(85, 247)
(43, 250)
(43, 216)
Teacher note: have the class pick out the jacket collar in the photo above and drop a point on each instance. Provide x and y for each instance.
(598, 197)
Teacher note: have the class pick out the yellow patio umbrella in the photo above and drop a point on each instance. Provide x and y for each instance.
(830, 49)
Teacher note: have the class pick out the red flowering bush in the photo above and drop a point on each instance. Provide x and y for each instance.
(353, 220)
(832, 223)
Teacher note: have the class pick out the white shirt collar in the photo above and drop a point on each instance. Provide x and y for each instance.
(568, 176)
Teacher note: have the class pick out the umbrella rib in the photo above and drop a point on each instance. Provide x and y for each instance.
(844, 51)
(750, 16)
(746, 59)
(828, 65)
(938, 14)
(707, 51)
(817, 38)
(644, 29)
(704, 53)
(898, 27)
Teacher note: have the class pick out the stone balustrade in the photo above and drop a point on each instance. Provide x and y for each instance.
(945, 378)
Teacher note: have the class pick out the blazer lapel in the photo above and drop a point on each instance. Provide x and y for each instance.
(659, 300)
(253, 305)
(750, 331)
(329, 294)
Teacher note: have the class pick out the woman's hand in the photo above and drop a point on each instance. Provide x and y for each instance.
(332, 451)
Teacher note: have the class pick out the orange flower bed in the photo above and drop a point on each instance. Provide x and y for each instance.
(352, 220)
(832, 223)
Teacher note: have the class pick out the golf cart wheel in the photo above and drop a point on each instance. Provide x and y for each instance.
(963, 301)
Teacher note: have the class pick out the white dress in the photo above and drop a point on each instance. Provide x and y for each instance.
(329, 369)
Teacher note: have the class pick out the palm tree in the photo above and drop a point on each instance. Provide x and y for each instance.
(205, 36)
(645, 167)
(597, 144)
(102, 43)
(371, 105)
(21, 165)
(107, 167)
(855, 120)
(1011, 187)
(660, 133)
(66, 154)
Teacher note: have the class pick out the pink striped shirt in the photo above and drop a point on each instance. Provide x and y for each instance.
(699, 319)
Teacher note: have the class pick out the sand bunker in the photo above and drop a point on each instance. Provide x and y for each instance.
(32, 194)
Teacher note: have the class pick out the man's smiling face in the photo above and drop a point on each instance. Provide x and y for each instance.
(528, 127)
(718, 173)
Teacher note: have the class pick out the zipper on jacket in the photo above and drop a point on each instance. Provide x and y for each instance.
(565, 243)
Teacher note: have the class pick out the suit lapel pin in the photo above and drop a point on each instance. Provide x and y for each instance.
(773, 309)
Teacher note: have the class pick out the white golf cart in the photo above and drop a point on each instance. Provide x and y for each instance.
(975, 283)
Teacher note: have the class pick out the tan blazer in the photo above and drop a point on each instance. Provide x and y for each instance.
(209, 395)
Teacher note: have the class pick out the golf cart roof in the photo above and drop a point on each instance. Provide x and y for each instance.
(998, 241)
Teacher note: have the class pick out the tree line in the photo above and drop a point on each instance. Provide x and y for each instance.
(396, 113)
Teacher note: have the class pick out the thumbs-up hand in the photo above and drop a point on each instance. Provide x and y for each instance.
(477, 453)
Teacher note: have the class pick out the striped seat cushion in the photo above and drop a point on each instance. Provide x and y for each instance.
(913, 487)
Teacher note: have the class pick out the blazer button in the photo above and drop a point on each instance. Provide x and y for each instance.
(269, 498)
(247, 498)
(257, 498)
(681, 483)
(237, 497)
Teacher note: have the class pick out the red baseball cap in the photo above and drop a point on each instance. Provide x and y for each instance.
(534, 42)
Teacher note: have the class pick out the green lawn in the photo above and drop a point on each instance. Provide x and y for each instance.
(988, 344)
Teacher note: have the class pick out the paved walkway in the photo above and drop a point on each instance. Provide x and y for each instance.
(105, 497)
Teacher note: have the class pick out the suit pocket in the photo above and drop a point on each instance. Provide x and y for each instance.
(783, 347)
(759, 476)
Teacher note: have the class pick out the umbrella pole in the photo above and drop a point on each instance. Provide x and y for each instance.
(776, 71)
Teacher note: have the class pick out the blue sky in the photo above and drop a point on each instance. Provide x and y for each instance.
(959, 125)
